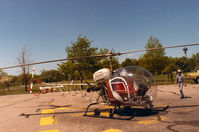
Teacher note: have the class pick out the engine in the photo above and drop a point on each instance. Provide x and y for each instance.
(102, 75)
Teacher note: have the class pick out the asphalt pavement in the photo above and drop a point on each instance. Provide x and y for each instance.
(63, 112)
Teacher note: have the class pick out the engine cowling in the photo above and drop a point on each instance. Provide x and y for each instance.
(102, 75)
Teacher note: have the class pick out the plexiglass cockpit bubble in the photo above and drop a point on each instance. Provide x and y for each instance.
(140, 79)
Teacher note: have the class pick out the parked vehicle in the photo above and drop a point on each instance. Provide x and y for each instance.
(194, 76)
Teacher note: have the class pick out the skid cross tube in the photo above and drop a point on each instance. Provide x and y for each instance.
(85, 114)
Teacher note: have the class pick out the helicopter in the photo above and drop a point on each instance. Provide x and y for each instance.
(122, 88)
(126, 87)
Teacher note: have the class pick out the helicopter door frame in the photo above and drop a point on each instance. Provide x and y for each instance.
(124, 83)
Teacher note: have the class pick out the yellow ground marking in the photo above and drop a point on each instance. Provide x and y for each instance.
(47, 121)
(81, 114)
(63, 108)
(163, 105)
(109, 107)
(112, 107)
(113, 130)
(51, 103)
(48, 111)
(147, 122)
(14, 129)
(188, 110)
(135, 107)
(106, 114)
(163, 118)
(155, 120)
(50, 131)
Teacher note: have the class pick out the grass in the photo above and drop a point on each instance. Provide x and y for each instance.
(13, 90)
(163, 79)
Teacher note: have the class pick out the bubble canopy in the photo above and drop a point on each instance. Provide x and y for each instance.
(139, 76)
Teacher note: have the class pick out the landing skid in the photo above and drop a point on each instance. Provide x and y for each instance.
(128, 112)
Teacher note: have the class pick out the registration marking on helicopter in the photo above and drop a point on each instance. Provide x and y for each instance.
(113, 130)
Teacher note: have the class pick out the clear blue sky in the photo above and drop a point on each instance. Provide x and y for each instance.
(48, 26)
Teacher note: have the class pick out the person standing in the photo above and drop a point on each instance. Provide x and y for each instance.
(180, 80)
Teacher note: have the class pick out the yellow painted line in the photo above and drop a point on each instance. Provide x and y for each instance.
(135, 107)
(48, 111)
(112, 107)
(163, 118)
(147, 122)
(109, 107)
(155, 120)
(47, 121)
(81, 114)
(113, 130)
(51, 103)
(50, 131)
(188, 110)
(163, 105)
(63, 108)
(106, 114)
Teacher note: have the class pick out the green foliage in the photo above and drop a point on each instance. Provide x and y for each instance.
(105, 63)
(170, 68)
(84, 66)
(130, 62)
(194, 62)
(20, 79)
(2, 74)
(153, 60)
(51, 76)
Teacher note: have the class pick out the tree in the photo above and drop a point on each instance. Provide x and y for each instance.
(194, 61)
(170, 68)
(84, 66)
(67, 69)
(183, 64)
(153, 60)
(23, 59)
(2, 74)
(106, 62)
(51, 76)
(130, 62)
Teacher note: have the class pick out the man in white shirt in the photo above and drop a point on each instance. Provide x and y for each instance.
(180, 80)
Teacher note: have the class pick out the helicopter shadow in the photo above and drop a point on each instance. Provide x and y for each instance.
(130, 113)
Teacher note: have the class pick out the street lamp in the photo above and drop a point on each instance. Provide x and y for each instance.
(185, 51)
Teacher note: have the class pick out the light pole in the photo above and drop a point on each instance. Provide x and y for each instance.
(185, 51)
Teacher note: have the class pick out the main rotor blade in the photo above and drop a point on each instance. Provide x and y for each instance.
(102, 55)
(50, 61)
(176, 46)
